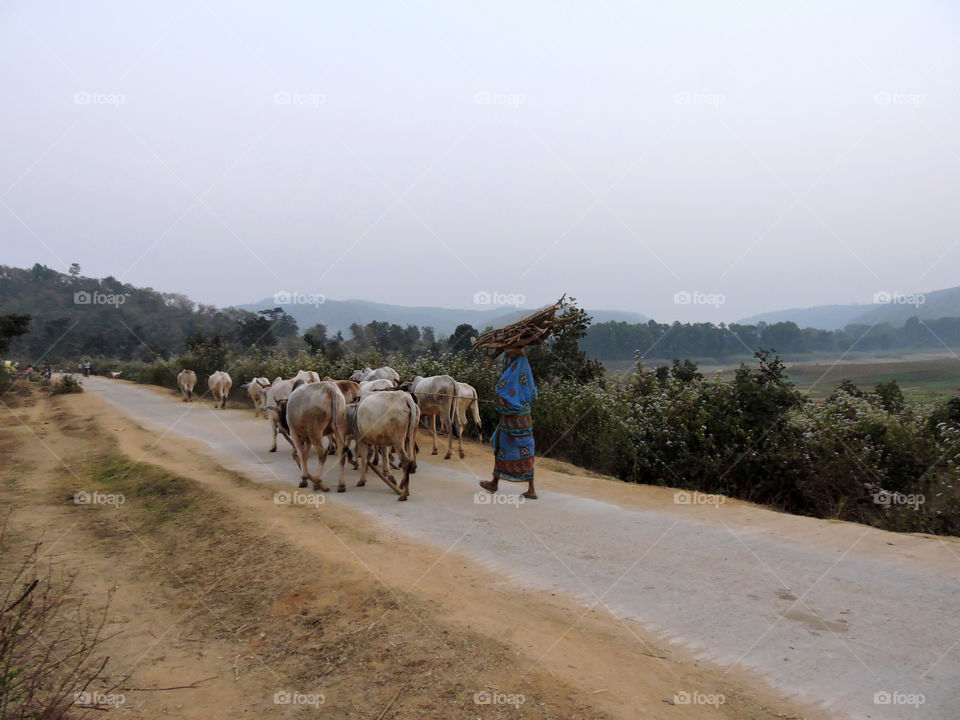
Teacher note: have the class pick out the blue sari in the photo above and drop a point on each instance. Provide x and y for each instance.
(513, 447)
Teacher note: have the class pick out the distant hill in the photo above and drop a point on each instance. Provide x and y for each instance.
(339, 315)
(895, 310)
(926, 306)
(824, 317)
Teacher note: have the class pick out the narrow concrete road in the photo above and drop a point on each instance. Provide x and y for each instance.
(866, 623)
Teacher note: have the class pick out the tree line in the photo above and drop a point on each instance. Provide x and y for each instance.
(627, 341)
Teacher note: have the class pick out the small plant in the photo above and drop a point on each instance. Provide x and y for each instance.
(48, 642)
(66, 384)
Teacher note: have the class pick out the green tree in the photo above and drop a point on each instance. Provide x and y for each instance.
(11, 326)
(316, 338)
(460, 340)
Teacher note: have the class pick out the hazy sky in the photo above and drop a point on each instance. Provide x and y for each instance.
(779, 154)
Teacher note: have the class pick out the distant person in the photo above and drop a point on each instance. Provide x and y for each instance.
(86, 369)
(513, 447)
(46, 372)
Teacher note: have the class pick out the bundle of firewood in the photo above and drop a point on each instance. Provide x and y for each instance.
(532, 330)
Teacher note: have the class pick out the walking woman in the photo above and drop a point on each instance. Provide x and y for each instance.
(513, 448)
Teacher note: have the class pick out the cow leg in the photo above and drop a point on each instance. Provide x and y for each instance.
(341, 487)
(405, 483)
(273, 428)
(446, 423)
(363, 452)
(433, 430)
(322, 455)
(302, 449)
(459, 429)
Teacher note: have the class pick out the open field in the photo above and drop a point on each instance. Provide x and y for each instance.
(921, 376)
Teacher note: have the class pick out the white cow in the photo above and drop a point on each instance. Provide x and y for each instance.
(369, 386)
(270, 401)
(467, 402)
(187, 381)
(255, 389)
(361, 375)
(384, 420)
(315, 411)
(383, 373)
(219, 385)
(437, 397)
(308, 376)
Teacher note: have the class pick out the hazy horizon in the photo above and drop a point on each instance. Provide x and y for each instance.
(777, 157)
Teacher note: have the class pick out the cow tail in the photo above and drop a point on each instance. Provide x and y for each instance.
(341, 422)
(411, 441)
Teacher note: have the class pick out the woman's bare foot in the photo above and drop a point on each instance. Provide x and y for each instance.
(530, 495)
(489, 485)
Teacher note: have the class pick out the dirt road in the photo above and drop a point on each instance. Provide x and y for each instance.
(829, 613)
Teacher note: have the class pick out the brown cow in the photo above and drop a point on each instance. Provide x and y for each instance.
(312, 412)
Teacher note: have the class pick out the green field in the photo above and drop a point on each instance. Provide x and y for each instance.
(920, 377)
(926, 379)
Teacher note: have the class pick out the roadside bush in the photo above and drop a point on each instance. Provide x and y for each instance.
(66, 385)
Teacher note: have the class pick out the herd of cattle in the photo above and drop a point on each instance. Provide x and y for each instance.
(373, 411)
